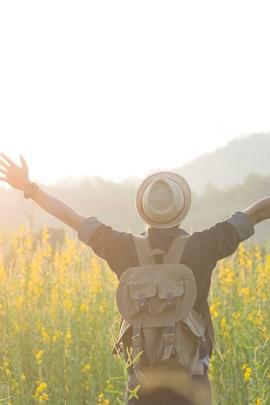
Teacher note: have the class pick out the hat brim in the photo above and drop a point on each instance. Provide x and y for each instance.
(182, 183)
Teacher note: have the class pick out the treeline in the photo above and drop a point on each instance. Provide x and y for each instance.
(114, 204)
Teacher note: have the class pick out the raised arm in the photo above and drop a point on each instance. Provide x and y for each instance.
(259, 211)
(18, 178)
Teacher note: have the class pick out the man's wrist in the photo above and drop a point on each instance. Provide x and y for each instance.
(30, 190)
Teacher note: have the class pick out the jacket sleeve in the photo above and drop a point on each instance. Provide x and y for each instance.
(222, 239)
(111, 245)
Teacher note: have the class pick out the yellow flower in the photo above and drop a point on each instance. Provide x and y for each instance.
(45, 338)
(57, 335)
(41, 387)
(214, 309)
(40, 393)
(86, 368)
(102, 400)
(39, 356)
(103, 307)
(247, 372)
(68, 304)
(223, 324)
(245, 293)
(7, 372)
(68, 339)
(43, 398)
(257, 253)
(84, 308)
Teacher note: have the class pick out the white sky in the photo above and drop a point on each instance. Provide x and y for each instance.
(121, 88)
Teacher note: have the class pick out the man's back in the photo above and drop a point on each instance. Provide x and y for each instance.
(201, 254)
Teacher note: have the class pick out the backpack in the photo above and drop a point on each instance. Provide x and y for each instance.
(156, 303)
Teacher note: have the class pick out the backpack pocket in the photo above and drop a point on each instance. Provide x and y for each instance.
(196, 324)
(168, 293)
(141, 294)
(189, 337)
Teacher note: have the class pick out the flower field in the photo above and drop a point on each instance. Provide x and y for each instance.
(58, 322)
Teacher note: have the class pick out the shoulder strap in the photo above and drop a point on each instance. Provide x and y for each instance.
(177, 248)
(146, 256)
(143, 250)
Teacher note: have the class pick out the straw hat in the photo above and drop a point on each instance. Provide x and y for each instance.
(163, 199)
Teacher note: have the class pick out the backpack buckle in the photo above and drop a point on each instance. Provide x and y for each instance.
(158, 255)
(142, 302)
(157, 252)
(170, 299)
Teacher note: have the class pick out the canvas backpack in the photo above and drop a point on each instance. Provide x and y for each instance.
(156, 302)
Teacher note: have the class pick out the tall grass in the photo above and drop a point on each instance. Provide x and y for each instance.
(58, 322)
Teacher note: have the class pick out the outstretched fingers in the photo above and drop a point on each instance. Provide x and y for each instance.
(24, 164)
(3, 171)
(16, 176)
(8, 170)
(7, 160)
(4, 164)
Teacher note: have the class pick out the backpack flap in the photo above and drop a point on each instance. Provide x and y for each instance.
(171, 290)
(138, 290)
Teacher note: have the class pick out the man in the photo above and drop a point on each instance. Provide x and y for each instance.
(163, 200)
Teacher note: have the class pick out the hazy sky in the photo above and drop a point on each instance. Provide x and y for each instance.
(121, 88)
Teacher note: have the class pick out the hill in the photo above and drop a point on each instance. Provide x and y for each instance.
(229, 165)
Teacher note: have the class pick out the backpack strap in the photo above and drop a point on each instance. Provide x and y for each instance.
(136, 343)
(176, 250)
(143, 250)
(169, 338)
(146, 256)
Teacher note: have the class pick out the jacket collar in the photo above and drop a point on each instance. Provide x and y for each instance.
(165, 232)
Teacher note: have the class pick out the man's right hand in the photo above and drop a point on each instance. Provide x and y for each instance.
(14, 175)
(17, 177)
